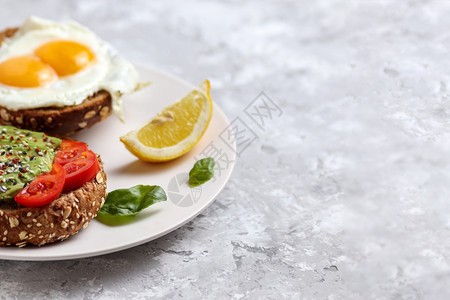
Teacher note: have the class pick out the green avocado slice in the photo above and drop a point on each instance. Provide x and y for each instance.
(24, 155)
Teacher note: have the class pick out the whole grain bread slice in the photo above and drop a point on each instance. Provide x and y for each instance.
(59, 121)
(65, 216)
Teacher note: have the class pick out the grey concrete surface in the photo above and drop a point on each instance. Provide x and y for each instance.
(343, 196)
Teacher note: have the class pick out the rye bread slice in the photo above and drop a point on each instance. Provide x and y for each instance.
(65, 216)
(59, 121)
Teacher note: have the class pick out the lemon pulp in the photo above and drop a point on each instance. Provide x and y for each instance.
(175, 130)
(173, 124)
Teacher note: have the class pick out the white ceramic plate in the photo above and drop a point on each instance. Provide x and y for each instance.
(125, 170)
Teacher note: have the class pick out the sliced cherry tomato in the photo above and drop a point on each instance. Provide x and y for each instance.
(80, 170)
(69, 150)
(70, 144)
(43, 189)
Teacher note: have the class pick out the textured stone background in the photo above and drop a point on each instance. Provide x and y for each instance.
(344, 196)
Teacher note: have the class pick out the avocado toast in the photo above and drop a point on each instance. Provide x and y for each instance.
(28, 213)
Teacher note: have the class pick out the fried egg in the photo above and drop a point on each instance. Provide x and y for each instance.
(48, 63)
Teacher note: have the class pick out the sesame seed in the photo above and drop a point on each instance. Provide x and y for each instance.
(13, 222)
(23, 235)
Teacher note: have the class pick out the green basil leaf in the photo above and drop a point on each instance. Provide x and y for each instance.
(202, 171)
(129, 202)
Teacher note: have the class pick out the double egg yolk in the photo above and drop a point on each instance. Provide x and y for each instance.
(47, 63)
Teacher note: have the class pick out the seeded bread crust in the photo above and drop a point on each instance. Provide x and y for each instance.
(59, 121)
(65, 216)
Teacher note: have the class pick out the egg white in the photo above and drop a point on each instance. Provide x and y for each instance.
(109, 72)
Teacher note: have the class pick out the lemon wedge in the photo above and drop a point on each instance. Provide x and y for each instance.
(175, 130)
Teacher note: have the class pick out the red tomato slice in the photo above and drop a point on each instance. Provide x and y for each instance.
(80, 170)
(69, 150)
(70, 144)
(43, 189)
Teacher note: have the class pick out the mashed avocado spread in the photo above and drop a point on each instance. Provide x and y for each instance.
(24, 155)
